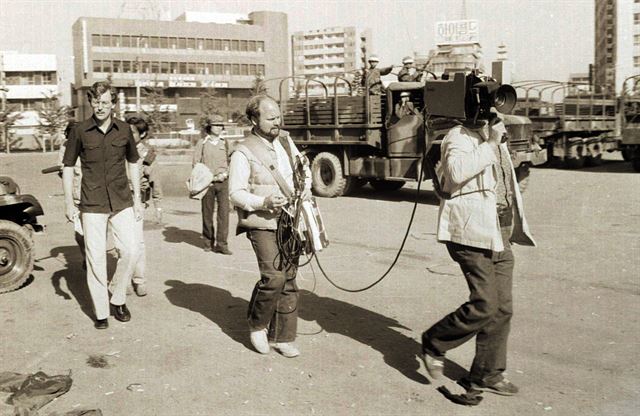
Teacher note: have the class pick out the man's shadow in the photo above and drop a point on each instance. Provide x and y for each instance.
(215, 304)
(74, 275)
(370, 328)
(178, 235)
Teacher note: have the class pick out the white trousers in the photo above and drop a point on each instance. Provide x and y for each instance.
(141, 263)
(125, 239)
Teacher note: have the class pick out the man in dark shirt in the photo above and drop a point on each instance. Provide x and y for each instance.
(212, 151)
(104, 144)
(372, 75)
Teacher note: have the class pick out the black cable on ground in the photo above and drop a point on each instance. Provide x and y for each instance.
(404, 240)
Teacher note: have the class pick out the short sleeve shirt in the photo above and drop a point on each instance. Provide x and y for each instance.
(105, 188)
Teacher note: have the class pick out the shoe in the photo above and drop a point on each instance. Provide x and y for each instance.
(503, 387)
(259, 341)
(121, 313)
(434, 366)
(287, 349)
(222, 250)
(101, 324)
(141, 289)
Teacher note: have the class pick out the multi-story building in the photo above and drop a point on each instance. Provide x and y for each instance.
(30, 80)
(183, 57)
(617, 43)
(325, 54)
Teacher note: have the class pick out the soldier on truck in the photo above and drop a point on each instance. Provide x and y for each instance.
(409, 73)
(371, 76)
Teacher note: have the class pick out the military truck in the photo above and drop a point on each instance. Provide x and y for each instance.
(629, 121)
(578, 128)
(352, 140)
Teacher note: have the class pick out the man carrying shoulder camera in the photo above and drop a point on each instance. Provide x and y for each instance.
(478, 223)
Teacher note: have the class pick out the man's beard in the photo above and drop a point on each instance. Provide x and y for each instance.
(272, 134)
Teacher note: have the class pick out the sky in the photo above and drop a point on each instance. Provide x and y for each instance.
(547, 39)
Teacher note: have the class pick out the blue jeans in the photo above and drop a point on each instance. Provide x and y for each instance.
(487, 314)
(274, 302)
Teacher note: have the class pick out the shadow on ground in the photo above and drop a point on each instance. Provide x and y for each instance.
(608, 166)
(75, 277)
(403, 195)
(177, 235)
(367, 327)
(217, 305)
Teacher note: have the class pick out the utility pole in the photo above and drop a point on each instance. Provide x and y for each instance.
(3, 90)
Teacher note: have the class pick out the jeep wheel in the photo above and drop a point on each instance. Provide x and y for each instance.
(16, 255)
(383, 185)
(327, 177)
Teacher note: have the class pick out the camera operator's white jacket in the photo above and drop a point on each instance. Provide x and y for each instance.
(468, 172)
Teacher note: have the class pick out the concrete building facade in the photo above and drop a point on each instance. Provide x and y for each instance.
(323, 54)
(29, 79)
(617, 43)
(183, 57)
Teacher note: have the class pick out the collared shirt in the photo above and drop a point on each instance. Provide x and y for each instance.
(240, 171)
(105, 188)
(212, 151)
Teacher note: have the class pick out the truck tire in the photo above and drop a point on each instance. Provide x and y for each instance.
(16, 255)
(327, 176)
(522, 175)
(384, 185)
(353, 184)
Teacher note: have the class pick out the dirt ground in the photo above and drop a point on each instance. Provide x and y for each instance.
(573, 347)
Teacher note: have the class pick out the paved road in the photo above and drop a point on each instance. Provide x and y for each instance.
(573, 348)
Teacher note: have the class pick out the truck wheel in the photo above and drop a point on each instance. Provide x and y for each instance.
(16, 255)
(353, 184)
(327, 177)
(627, 154)
(383, 185)
(522, 175)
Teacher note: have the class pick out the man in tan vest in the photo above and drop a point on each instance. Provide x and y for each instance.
(257, 194)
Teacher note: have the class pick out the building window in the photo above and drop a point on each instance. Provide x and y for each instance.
(155, 67)
(117, 66)
(154, 42)
(235, 45)
(173, 43)
(143, 42)
(260, 69)
(173, 67)
(636, 18)
(208, 44)
(200, 68)
(126, 67)
(226, 44)
(182, 43)
(208, 69)
(217, 69)
(244, 69)
(636, 61)
(235, 69)
(164, 67)
(260, 46)
(243, 46)
(251, 46)
(115, 41)
(191, 43)
(126, 41)
(106, 66)
(200, 44)
(164, 42)
(227, 69)
(146, 67)
(182, 68)
(252, 69)
(95, 40)
(97, 65)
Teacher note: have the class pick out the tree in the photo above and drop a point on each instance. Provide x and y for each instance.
(155, 108)
(258, 86)
(8, 118)
(52, 117)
